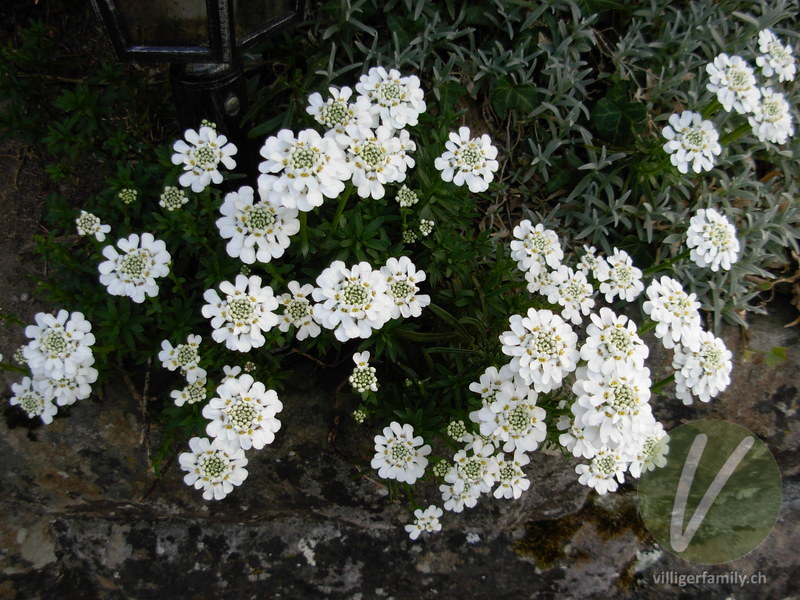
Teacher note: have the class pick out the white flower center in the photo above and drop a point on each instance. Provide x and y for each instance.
(605, 465)
(545, 344)
(739, 79)
(205, 157)
(372, 154)
(240, 308)
(713, 357)
(401, 290)
(334, 114)
(297, 309)
(519, 419)
(625, 397)
(573, 290)
(693, 138)
(620, 340)
(302, 157)
(355, 294)
(32, 403)
(771, 109)
(54, 342)
(779, 52)
(539, 243)
(134, 264)
(472, 469)
(88, 222)
(212, 466)
(623, 275)
(471, 156)
(242, 414)
(390, 93)
(185, 354)
(507, 472)
(259, 218)
(399, 453)
(719, 234)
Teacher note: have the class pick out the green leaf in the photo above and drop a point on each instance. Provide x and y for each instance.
(507, 95)
(450, 93)
(776, 356)
(614, 116)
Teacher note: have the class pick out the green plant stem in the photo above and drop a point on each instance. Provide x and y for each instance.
(660, 385)
(303, 233)
(340, 209)
(661, 266)
(712, 107)
(735, 134)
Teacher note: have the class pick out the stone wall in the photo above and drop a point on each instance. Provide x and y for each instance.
(85, 518)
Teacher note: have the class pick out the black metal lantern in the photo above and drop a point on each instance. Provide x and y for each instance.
(203, 40)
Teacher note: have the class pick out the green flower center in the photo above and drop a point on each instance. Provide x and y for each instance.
(212, 466)
(624, 398)
(399, 453)
(713, 357)
(545, 345)
(240, 308)
(195, 392)
(205, 157)
(372, 154)
(507, 472)
(693, 137)
(605, 465)
(297, 309)
(259, 218)
(771, 109)
(739, 79)
(391, 92)
(720, 235)
(623, 274)
(334, 114)
(519, 419)
(242, 414)
(54, 342)
(401, 290)
(303, 157)
(185, 354)
(134, 264)
(472, 469)
(620, 340)
(32, 403)
(355, 294)
(88, 222)
(573, 290)
(471, 156)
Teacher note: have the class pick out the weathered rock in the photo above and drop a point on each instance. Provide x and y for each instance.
(84, 517)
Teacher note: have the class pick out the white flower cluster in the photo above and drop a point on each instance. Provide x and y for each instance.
(89, 224)
(133, 272)
(363, 377)
(694, 142)
(242, 416)
(59, 357)
(468, 160)
(200, 155)
(186, 359)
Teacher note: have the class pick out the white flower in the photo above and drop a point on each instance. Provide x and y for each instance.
(68, 390)
(492, 381)
(309, 167)
(215, 467)
(772, 118)
(172, 198)
(192, 393)
(406, 197)
(734, 83)
(589, 261)
(398, 101)
(616, 404)
(201, 157)
(457, 431)
(511, 480)
(426, 227)
(184, 357)
(475, 465)
(468, 160)
(231, 372)
(298, 311)
(336, 113)
(374, 157)
(363, 377)
(133, 272)
(571, 290)
(257, 231)
(676, 313)
(776, 58)
(243, 413)
(60, 344)
(402, 279)
(612, 344)
(353, 301)
(513, 419)
(241, 319)
(543, 348)
(651, 451)
(457, 493)
(399, 455)
(88, 223)
(703, 373)
(691, 141)
(712, 239)
(425, 520)
(600, 473)
(582, 442)
(538, 277)
(534, 245)
(28, 396)
(621, 278)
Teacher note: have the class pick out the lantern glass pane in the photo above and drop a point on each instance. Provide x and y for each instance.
(254, 16)
(166, 22)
